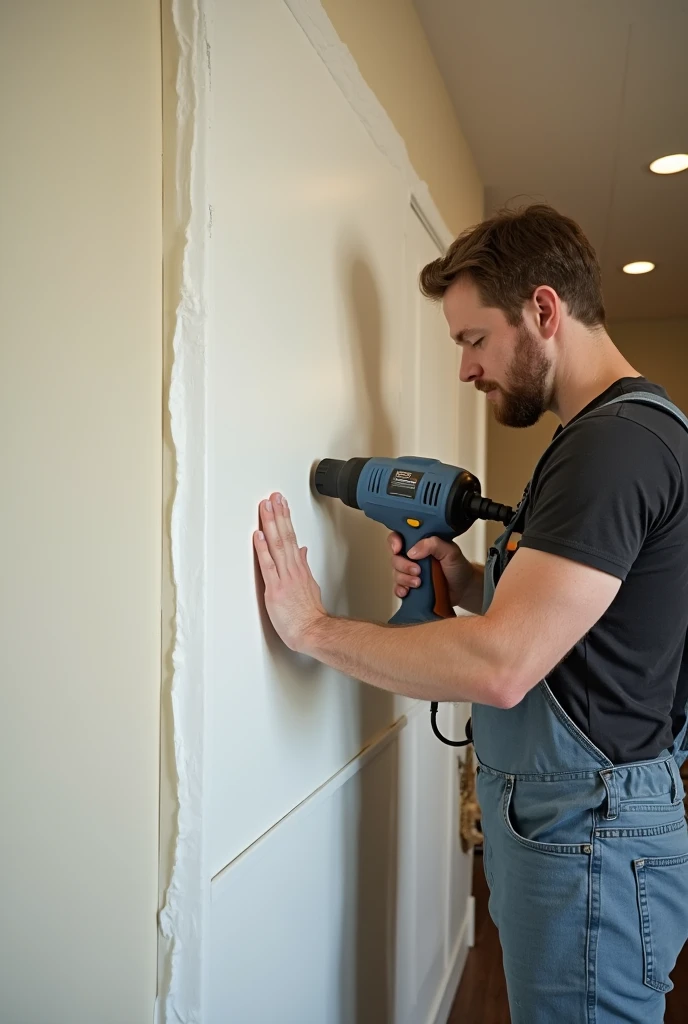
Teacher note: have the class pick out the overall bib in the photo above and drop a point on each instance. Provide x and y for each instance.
(586, 861)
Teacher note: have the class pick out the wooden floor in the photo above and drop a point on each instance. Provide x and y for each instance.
(481, 998)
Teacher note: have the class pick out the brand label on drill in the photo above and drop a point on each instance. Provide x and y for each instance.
(404, 483)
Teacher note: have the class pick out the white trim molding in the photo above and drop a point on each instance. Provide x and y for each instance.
(373, 749)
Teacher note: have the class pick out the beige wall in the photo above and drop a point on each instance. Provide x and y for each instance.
(511, 458)
(659, 350)
(80, 413)
(389, 45)
(656, 348)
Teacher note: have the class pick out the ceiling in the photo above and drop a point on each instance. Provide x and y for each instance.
(568, 102)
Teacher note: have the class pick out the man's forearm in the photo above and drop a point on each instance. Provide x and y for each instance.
(450, 660)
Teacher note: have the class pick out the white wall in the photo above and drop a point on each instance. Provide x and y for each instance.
(307, 257)
(80, 413)
(332, 888)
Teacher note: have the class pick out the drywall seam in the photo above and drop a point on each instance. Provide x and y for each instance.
(340, 63)
(324, 791)
(182, 918)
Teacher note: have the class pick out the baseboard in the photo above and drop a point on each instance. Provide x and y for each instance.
(441, 1008)
(471, 922)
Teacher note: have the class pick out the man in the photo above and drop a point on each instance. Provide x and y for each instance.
(575, 666)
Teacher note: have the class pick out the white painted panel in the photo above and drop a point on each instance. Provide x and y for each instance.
(435, 359)
(434, 875)
(460, 864)
(472, 455)
(308, 356)
(303, 924)
(307, 263)
(432, 777)
(441, 417)
(440, 420)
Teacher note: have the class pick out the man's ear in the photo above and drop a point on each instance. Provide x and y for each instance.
(547, 310)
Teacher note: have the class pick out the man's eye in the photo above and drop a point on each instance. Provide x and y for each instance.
(478, 343)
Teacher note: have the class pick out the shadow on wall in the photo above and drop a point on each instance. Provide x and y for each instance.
(368, 948)
(368, 939)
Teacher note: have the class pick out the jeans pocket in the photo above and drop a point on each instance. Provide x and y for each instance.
(514, 830)
(662, 890)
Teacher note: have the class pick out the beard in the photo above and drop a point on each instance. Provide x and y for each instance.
(526, 395)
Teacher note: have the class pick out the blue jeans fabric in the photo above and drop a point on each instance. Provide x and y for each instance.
(586, 861)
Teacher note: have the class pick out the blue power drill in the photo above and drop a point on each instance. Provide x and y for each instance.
(418, 498)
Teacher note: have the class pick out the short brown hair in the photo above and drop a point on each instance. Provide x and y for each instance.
(515, 251)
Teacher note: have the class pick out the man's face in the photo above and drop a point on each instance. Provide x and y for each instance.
(508, 363)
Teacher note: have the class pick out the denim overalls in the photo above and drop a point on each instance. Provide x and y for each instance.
(587, 861)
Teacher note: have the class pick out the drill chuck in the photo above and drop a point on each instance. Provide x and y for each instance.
(336, 478)
(483, 508)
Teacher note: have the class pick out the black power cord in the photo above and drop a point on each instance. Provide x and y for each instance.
(438, 734)
(480, 508)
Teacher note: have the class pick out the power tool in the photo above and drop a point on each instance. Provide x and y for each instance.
(418, 498)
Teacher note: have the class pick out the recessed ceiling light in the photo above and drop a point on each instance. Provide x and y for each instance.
(639, 267)
(670, 164)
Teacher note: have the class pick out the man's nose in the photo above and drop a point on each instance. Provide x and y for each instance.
(470, 367)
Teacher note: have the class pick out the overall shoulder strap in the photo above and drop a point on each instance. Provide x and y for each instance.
(649, 399)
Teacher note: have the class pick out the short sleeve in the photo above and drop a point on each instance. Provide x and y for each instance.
(607, 484)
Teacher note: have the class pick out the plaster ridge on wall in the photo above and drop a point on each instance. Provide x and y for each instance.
(182, 918)
(339, 61)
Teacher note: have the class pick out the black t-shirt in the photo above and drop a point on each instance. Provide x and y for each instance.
(611, 493)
